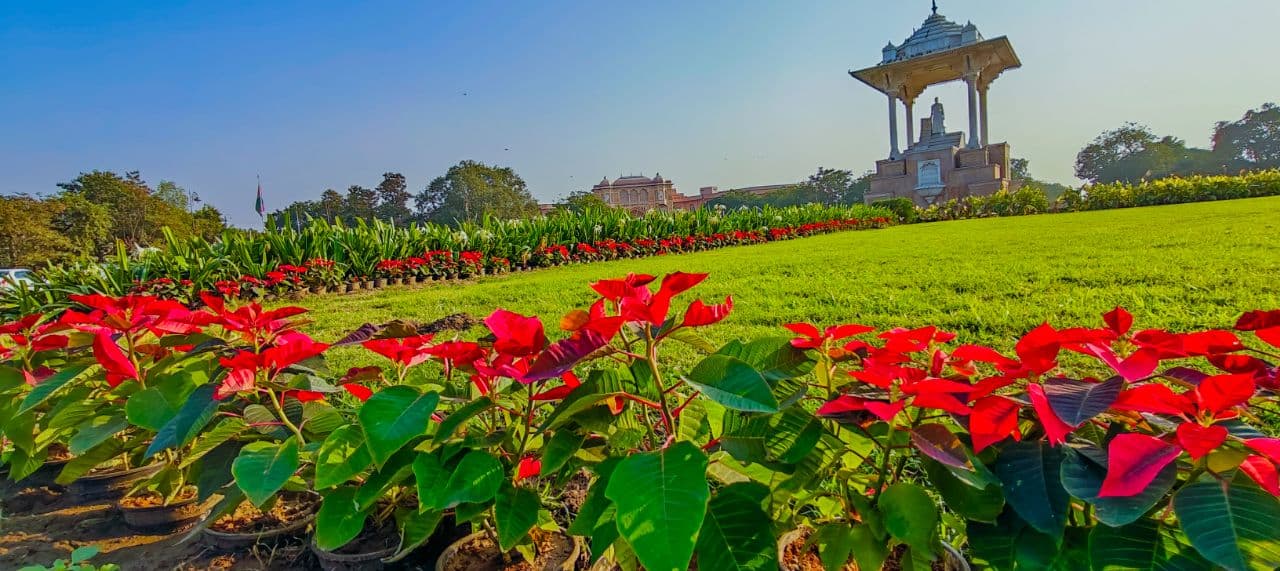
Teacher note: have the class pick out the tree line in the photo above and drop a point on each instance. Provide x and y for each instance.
(1133, 153)
(469, 191)
(90, 213)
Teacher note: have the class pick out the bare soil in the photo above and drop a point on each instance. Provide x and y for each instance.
(796, 558)
(153, 500)
(456, 322)
(572, 496)
(482, 554)
(42, 524)
(248, 519)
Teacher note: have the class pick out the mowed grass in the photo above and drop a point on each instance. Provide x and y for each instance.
(1182, 267)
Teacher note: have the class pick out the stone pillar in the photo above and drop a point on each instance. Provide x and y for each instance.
(971, 81)
(982, 102)
(893, 125)
(911, 121)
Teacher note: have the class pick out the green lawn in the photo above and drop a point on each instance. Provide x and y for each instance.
(1183, 267)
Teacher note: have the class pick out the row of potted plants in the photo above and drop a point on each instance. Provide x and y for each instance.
(1097, 447)
(320, 276)
(369, 251)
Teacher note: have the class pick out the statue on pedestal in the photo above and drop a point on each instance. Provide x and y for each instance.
(937, 117)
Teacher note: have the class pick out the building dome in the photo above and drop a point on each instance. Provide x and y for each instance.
(935, 35)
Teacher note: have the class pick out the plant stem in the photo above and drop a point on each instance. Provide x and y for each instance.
(883, 472)
(528, 423)
(275, 402)
(651, 351)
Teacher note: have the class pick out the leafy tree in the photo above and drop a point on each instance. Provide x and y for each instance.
(797, 195)
(361, 203)
(170, 193)
(393, 198)
(1253, 142)
(472, 190)
(295, 214)
(582, 201)
(27, 237)
(209, 222)
(331, 205)
(1132, 153)
(834, 186)
(1103, 159)
(127, 198)
(86, 225)
(1019, 169)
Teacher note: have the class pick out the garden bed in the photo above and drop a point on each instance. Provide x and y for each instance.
(876, 436)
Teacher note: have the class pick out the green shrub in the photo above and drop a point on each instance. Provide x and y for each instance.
(903, 208)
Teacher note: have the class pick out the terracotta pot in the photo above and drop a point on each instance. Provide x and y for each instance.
(366, 284)
(226, 540)
(397, 281)
(569, 564)
(171, 516)
(319, 290)
(109, 485)
(380, 283)
(371, 561)
(952, 559)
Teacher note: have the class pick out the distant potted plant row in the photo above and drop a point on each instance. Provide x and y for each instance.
(840, 446)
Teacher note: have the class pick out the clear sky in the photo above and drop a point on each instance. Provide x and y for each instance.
(318, 94)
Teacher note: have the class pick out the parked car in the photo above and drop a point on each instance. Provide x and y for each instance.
(10, 277)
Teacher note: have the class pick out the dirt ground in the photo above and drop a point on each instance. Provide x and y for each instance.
(41, 524)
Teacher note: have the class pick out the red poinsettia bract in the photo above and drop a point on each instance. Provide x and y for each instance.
(245, 367)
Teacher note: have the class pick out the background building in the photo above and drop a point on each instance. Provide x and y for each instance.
(640, 194)
(637, 193)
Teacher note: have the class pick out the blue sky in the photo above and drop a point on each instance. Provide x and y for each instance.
(315, 95)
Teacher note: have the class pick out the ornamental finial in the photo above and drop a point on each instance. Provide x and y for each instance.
(935, 7)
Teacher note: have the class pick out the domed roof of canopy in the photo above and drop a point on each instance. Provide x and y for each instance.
(935, 35)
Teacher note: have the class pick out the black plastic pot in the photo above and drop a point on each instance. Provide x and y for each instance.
(225, 540)
(570, 563)
(371, 561)
(44, 476)
(109, 485)
(172, 516)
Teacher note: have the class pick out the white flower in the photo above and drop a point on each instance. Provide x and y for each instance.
(461, 237)
(599, 228)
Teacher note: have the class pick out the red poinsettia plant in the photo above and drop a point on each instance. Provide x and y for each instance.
(1021, 445)
(1078, 447)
